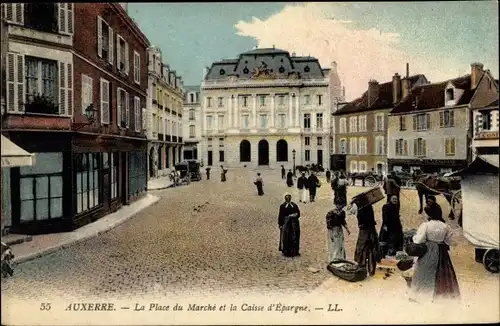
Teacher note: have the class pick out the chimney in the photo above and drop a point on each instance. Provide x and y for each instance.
(407, 70)
(476, 73)
(334, 66)
(293, 54)
(205, 72)
(373, 90)
(396, 88)
(405, 88)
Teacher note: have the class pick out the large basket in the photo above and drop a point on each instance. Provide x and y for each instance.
(347, 270)
(368, 197)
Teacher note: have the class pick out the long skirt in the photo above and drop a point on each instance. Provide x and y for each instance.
(290, 237)
(260, 190)
(336, 249)
(367, 240)
(223, 177)
(304, 194)
(434, 276)
(312, 193)
(289, 182)
(341, 196)
(394, 240)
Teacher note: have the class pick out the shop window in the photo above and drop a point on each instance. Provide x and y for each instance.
(88, 181)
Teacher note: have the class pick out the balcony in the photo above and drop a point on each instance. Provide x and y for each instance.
(168, 138)
(161, 137)
(174, 139)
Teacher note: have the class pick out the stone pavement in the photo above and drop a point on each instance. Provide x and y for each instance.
(211, 237)
(159, 183)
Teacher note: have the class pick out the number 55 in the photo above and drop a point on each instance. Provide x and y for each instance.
(45, 306)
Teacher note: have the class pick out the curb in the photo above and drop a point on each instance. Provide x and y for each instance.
(69, 243)
(19, 241)
(160, 188)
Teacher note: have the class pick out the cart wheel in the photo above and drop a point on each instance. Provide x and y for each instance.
(491, 260)
(370, 181)
(456, 204)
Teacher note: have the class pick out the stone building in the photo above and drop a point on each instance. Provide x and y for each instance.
(163, 115)
(432, 128)
(361, 125)
(264, 106)
(192, 122)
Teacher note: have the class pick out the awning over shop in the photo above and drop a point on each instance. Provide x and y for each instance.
(14, 156)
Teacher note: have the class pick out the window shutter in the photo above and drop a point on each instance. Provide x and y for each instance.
(99, 36)
(118, 52)
(452, 118)
(424, 147)
(384, 149)
(428, 121)
(453, 146)
(84, 92)
(11, 73)
(127, 63)
(441, 118)
(104, 101)
(144, 121)
(127, 110)
(19, 14)
(110, 46)
(62, 17)
(21, 89)
(69, 89)
(8, 11)
(415, 122)
(62, 89)
(119, 94)
(415, 147)
(70, 17)
(137, 112)
(397, 147)
(405, 149)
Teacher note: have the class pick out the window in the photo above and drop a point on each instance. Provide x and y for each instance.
(114, 175)
(343, 146)
(192, 131)
(262, 99)
(122, 54)
(209, 102)
(263, 120)
(123, 108)
(402, 123)
(446, 119)
(450, 94)
(220, 121)
(209, 122)
(137, 68)
(105, 40)
(354, 166)
(419, 147)
(307, 120)
(221, 156)
(307, 99)
(362, 123)
(379, 145)
(401, 147)
(421, 122)
(307, 155)
(220, 102)
(191, 114)
(137, 114)
(41, 84)
(281, 100)
(307, 141)
(320, 141)
(343, 125)
(353, 146)
(87, 96)
(191, 96)
(282, 120)
(88, 168)
(379, 122)
(245, 101)
(353, 124)
(105, 100)
(246, 121)
(362, 166)
(449, 144)
(320, 99)
(319, 120)
(362, 146)
(41, 188)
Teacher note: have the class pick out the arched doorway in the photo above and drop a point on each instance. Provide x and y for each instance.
(152, 162)
(245, 151)
(263, 152)
(281, 151)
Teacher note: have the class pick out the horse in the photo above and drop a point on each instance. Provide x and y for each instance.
(432, 185)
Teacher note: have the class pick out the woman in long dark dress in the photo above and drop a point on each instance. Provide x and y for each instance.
(313, 183)
(288, 221)
(289, 178)
(367, 237)
(260, 185)
(391, 231)
(434, 276)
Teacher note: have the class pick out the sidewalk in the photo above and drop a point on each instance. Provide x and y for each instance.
(41, 245)
(159, 183)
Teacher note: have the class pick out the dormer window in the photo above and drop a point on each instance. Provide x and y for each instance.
(450, 94)
(222, 72)
(281, 70)
(245, 71)
(307, 69)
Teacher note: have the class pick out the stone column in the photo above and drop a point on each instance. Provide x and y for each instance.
(254, 111)
(237, 112)
(230, 111)
(273, 103)
(290, 106)
(297, 121)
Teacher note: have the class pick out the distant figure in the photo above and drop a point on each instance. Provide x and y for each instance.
(302, 184)
(289, 178)
(340, 191)
(328, 176)
(208, 173)
(313, 184)
(288, 222)
(283, 172)
(223, 175)
(335, 221)
(260, 184)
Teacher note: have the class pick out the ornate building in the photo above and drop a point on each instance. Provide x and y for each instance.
(267, 108)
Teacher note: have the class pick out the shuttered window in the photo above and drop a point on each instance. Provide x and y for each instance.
(87, 93)
(16, 90)
(137, 68)
(65, 18)
(449, 144)
(13, 12)
(105, 40)
(105, 111)
(137, 114)
(122, 54)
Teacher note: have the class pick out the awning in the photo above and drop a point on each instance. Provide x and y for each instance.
(14, 156)
(482, 164)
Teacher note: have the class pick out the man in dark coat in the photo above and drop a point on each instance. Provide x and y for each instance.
(288, 222)
(208, 173)
(302, 185)
(367, 238)
(328, 175)
(392, 229)
(313, 183)
(289, 178)
(392, 186)
(283, 172)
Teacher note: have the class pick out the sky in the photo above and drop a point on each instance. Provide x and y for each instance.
(367, 40)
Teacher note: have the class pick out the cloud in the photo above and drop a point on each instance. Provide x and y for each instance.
(361, 54)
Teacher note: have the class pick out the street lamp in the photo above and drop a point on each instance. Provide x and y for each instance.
(89, 113)
(293, 156)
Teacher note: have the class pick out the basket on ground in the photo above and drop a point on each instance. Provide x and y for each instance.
(347, 270)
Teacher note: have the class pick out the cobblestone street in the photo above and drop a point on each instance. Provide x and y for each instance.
(230, 244)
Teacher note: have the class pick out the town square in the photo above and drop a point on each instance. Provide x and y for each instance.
(150, 168)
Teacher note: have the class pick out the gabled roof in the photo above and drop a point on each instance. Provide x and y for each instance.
(431, 96)
(384, 100)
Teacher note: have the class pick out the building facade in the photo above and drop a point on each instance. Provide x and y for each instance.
(260, 109)
(192, 122)
(163, 115)
(75, 90)
(431, 129)
(361, 125)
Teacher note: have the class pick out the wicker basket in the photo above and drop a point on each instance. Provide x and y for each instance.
(368, 197)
